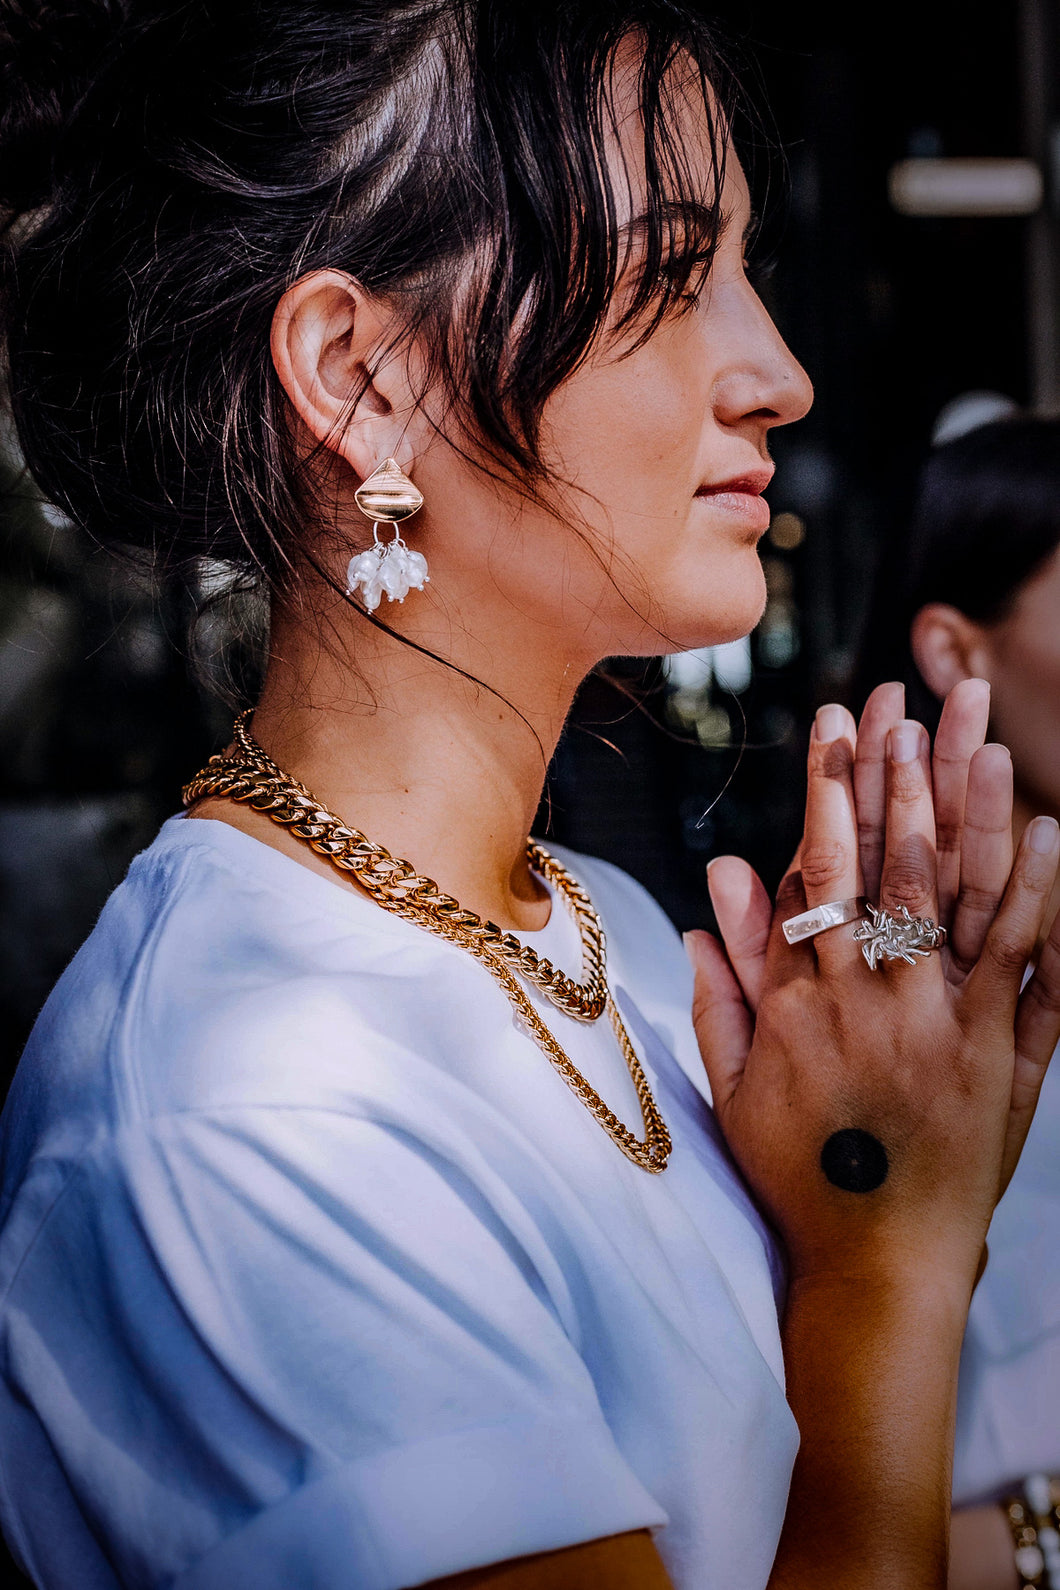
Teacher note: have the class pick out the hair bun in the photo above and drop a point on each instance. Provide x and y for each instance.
(48, 54)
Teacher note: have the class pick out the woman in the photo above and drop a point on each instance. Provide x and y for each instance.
(974, 590)
(318, 1268)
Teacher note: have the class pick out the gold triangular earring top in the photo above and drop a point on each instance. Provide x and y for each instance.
(388, 494)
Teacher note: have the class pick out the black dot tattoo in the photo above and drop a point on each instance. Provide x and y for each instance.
(854, 1160)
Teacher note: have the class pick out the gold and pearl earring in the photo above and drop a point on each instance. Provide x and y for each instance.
(387, 496)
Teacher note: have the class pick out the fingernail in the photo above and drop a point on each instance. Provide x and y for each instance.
(1042, 835)
(689, 944)
(905, 741)
(831, 721)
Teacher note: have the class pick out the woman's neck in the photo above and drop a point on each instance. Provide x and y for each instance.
(438, 770)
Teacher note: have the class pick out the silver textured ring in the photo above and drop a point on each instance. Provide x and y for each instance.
(886, 937)
(809, 923)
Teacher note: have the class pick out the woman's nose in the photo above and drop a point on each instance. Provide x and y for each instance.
(764, 380)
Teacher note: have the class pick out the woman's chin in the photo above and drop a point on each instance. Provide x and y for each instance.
(719, 615)
(699, 603)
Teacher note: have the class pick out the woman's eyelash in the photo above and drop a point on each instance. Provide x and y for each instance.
(684, 277)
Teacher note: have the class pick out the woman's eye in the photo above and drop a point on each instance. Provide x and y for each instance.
(684, 286)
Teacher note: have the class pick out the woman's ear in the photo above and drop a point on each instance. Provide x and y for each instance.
(347, 385)
(947, 647)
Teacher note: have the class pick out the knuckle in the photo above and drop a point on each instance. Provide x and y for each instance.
(908, 874)
(1045, 993)
(948, 834)
(977, 900)
(1035, 874)
(906, 885)
(907, 785)
(1008, 952)
(870, 835)
(750, 945)
(983, 828)
(825, 863)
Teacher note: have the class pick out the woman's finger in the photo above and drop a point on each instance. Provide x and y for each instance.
(962, 730)
(986, 854)
(908, 878)
(829, 849)
(745, 915)
(722, 1021)
(1037, 1034)
(883, 710)
(786, 961)
(992, 988)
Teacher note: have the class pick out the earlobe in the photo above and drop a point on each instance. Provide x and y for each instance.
(947, 647)
(324, 333)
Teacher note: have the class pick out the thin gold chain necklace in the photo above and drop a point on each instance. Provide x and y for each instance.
(253, 778)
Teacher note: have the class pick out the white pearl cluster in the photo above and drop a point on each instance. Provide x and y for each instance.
(393, 569)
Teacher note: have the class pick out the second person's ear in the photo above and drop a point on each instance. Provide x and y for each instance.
(947, 647)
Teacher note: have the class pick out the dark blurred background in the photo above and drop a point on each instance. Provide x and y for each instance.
(895, 308)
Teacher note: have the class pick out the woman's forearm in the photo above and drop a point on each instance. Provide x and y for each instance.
(872, 1380)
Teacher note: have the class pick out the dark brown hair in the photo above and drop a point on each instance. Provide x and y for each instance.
(168, 170)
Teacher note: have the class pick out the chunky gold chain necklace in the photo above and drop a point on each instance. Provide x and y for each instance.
(252, 777)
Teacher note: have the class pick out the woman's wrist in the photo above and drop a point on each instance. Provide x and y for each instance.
(893, 1280)
(871, 1359)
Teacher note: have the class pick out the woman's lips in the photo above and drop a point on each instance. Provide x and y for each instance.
(742, 497)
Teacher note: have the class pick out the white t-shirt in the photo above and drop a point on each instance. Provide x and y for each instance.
(1008, 1411)
(313, 1271)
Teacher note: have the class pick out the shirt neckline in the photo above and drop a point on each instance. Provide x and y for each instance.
(252, 859)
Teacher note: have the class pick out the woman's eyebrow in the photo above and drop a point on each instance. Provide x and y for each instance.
(700, 215)
(686, 212)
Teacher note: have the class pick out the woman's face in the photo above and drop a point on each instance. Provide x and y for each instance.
(1022, 661)
(667, 448)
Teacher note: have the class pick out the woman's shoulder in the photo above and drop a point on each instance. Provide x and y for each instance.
(224, 976)
(220, 972)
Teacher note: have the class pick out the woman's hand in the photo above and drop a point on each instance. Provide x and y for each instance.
(940, 1062)
(937, 1065)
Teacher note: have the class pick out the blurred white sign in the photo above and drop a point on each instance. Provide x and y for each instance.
(965, 187)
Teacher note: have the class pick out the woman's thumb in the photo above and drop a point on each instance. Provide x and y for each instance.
(723, 1023)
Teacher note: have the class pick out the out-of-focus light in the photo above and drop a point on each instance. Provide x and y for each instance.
(689, 670)
(787, 531)
(732, 664)
(778, 640)
(713, 729)
(965, 187)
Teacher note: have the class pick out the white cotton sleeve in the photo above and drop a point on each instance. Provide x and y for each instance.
(285, 1347)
